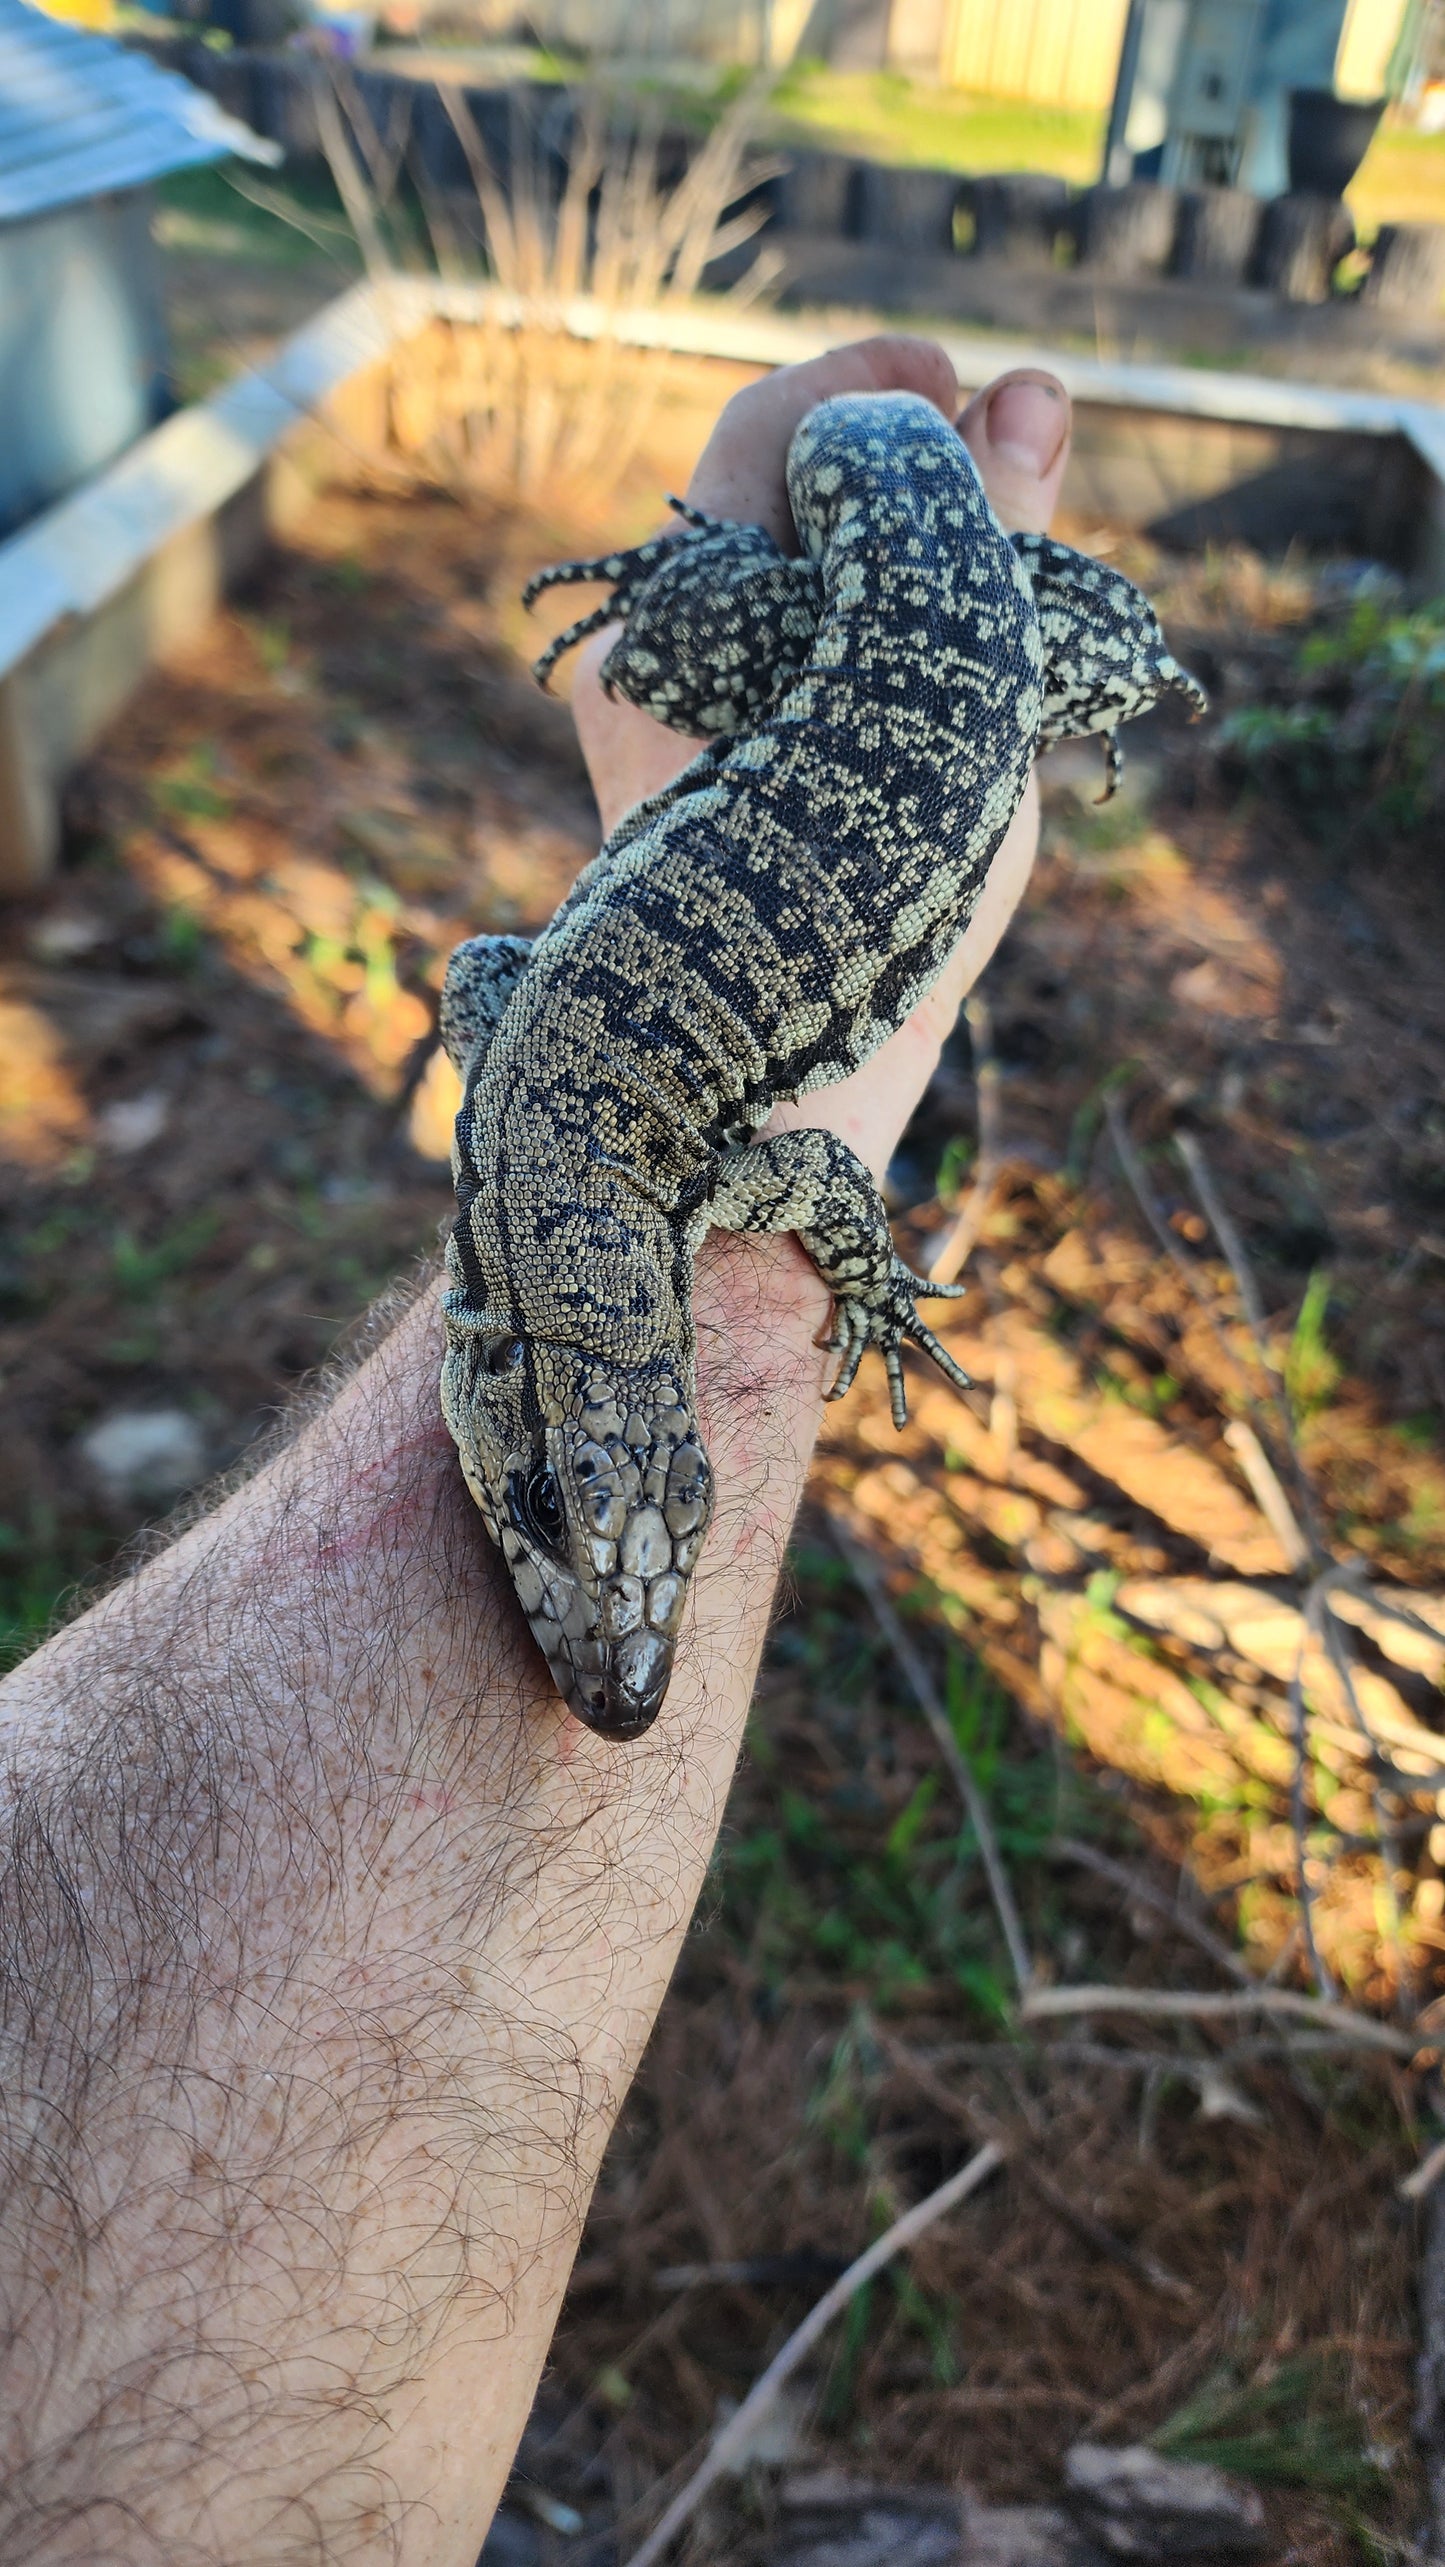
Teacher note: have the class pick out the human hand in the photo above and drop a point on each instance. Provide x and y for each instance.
(1017, 430)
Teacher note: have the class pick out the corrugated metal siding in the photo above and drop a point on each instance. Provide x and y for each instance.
(81, 117)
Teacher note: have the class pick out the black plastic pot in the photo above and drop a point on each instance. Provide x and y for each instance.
(1328, 139)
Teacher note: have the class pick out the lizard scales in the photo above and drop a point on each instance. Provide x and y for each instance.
(751, 933)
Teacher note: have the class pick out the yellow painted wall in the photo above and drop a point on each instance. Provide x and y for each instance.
(1057, 53)
(99, 14)
(1366, 44)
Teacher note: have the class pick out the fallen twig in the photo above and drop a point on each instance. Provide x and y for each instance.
(1084, 2223)
(1300, 1729)
(738, 2432)
(1074, 1850)
(961, 1237)
(1301, 1544)
(916, 1674)
(753, 2272)
(1337, 1644)
(1268, 1491)
(1251, 1302)
(1144, 1195)
(1196, 2070)
(1201, 2004)
(1235, 1253)
(1425, 2177)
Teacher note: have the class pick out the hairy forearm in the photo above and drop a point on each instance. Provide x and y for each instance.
(329, 1945)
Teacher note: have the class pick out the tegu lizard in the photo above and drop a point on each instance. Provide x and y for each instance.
(751, 933)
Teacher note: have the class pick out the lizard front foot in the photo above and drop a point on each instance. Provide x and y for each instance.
(811, 1182)
(883, 1317)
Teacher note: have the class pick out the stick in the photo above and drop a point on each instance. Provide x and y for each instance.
(1251, 1302)
(1229, 1240)
(925, 1693)
(961, 1237)
(738, 2432)
(1430, 2372)
(1299, 1720)
(1074, 1850)
(1235, 1253)
(1144, 1195)
(1094, 2232)
(1338, 1649)
(1425, 2177)
(1268, 1491)
(1201, 2004)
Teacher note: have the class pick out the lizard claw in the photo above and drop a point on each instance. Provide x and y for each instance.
(625, 574)
(860, 1322)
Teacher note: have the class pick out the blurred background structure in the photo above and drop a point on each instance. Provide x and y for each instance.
(86, 130)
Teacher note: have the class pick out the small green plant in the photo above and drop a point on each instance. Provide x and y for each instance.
(272, 638)
(29, 1596)
(1152, 1397)
(1360, 727)
(1292, 2425)
(182, 938)
(189, 790)
(39, 1570)
(1311, 1370)
(958, 1157)
(140, 1271)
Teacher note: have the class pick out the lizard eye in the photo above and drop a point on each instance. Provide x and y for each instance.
(503, 1355)
(535, 1506)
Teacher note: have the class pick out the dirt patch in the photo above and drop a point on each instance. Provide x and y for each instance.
(214, 1034)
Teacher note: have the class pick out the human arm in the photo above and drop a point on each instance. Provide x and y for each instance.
(329, 1944)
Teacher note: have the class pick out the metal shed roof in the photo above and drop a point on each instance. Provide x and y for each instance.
(79, 116)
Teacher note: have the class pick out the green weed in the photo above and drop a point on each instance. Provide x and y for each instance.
(842, 2380)
(272, 639)
(39, 1570)
(958, 1157)
(889, 1908)
(1360, 725)
(1151, 1398)
(895, 119)
(1311, 1372)
(1290, 2426)
(189, 791)
(1088, 1120)
(182, 938)
(29, 1596)
(140, 1271)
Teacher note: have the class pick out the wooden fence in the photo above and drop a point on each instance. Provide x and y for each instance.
(1057, 53)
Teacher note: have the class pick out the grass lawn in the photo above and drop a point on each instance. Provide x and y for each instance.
(891, 118)
(1402, 181)
(887, 117)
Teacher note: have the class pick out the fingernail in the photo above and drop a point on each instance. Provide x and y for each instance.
(1027, 423)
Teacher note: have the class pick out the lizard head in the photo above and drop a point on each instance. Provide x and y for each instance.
(592, 1480)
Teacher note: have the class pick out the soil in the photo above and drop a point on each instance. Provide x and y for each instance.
(215, 1114)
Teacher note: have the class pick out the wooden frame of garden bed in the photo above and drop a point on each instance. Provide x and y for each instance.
(123, 573)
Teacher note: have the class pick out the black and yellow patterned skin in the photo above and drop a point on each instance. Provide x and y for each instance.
(750, 934)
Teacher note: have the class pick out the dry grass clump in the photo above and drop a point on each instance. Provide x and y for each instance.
(538, 397)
